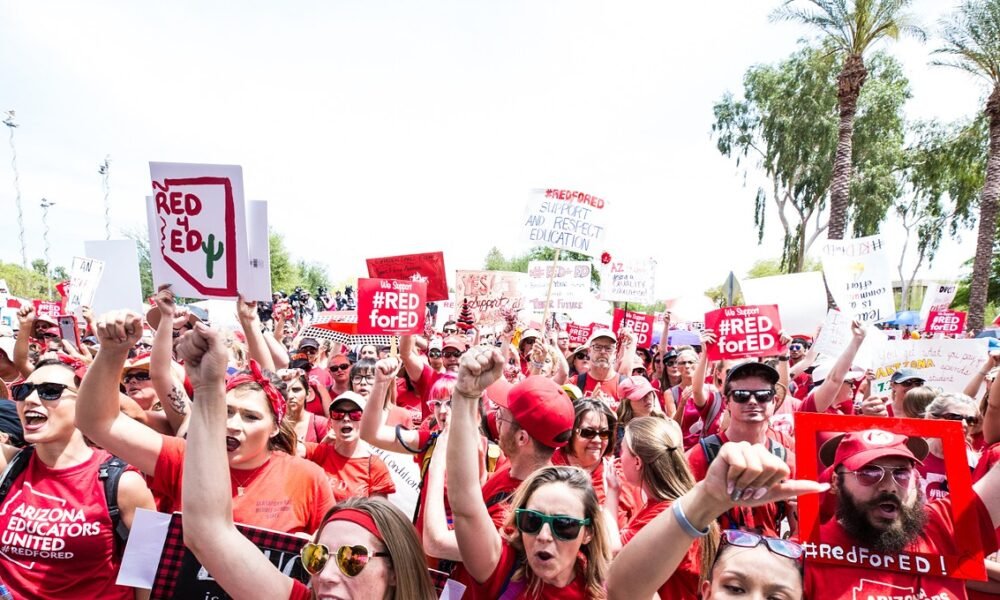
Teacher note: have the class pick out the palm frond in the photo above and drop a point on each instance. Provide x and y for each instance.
(853, 25)
(972, 39)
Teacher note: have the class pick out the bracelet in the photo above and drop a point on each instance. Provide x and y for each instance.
(783, 359)
(682, 520)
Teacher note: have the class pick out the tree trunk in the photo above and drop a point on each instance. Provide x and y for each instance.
(849, 83)
(989, 203)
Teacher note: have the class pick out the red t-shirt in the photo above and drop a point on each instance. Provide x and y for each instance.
(693, 422)
(766, 516)
(351, 477)
(286, 493)
(835, 582)
(684, 583)
(500, 483)
(933, 477)
(57, 540)
(492, 587)
(609, 387)
(428, 377)
(629, 497)
(318, 377)
(844, 408)
(317, 428)
(299, 591)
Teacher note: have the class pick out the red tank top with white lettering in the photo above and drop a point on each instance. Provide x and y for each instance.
(56, 539)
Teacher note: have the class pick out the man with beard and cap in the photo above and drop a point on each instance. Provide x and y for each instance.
(881, 513)
(603, 346)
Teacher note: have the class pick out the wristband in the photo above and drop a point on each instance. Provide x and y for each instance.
(783, 359)
(682, 520)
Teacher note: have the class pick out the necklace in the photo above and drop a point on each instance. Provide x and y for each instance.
(241, 485)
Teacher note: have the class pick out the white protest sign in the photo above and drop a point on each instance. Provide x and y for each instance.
(405, 475)
(801, 299)
(142, 552)
(120, 286)
(84, 279)
(198, 232)
(836, 335)
(259, 251)
(629, 280)
(488, 294)
(4, 292)
(859, 277)
(570, 284)
(943, 363)
(938, 297)
(566, 219)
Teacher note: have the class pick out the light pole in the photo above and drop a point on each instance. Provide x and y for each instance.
(46, 204)
(9, 122)
(105, 171)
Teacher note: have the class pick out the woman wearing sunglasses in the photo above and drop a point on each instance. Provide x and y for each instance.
(579, 362)
(363, 549)
(272, 488)
(746, 565)
(58, 538)
(949, 406)
(308, 427)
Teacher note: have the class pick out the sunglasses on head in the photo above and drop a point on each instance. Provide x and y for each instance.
(342, 367)
(452, 353)
(589, 433)
(46, 391)
(562, 527)
(747, 539)
(351, 559)
(743, 396)
(136, 376)
(341, 415)
(870, 475)
(434, 353)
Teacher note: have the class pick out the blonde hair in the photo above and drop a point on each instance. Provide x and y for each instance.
(597, 552)
(626, 414)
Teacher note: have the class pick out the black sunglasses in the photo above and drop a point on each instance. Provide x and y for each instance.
(589, 433)
(969, 419)
(342, 367)
(583, 356)
(452, 353)
(562, 527)
(434, 353)
(46, 391)
(743, 396)
(136, 376)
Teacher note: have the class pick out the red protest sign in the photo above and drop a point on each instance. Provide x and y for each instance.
(744, 331)
(578, 334)
(391, 307)
(946, 321)
(427, 267)
(47, 308)
(641, 324)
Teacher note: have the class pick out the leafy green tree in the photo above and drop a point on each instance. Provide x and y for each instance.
(963, 295)
(139, 236)
(24, 283)
(972, 43)
(853, 27)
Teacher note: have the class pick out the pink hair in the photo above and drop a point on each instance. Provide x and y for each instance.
(442, 388)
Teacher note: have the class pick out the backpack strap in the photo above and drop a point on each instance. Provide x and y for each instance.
(110, 473)
(15, 467)
(512, 590)
(581, 382)
(498, 498)
(713, 411)
(710, 446)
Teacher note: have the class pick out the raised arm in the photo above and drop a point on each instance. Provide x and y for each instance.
(26, 326)
(698, 394)
(373, 420)
(250, 322)
(628, 344)
(170, 392)
(439, 541)
(412, 362)
(478, 540)
(97, 406)
(976, 382)
(826, 393)
(239, 567)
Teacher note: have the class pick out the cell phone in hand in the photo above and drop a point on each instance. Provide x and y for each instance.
(68, 329)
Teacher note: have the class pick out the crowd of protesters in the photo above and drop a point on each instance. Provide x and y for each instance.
(546, 469)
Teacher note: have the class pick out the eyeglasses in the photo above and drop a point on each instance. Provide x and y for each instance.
(639, 371)
(136, 376)
(351, 559)
(602, 348)
(452, 353)
(746, 539)
(589, 433)
(910, 383)
(363, 379)
(342, 367)
(670, 362)
(434, 353)
(339, 415)
(448, 330)
(870, 475)
(743, 396)
(46, 391)
(969, 419)
(308, 350)
(562, 527)
(583, 356)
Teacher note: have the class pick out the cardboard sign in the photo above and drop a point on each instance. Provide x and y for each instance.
(198, 232)
(47, 308)
(391, 307)
(944, 363)
(120, 286)
(566, 219)
(405, 474)
(641, 324)
(801, 298)
(570, 284)
(950, 322)
(489, 293)
(835, 335)
(859, 278)
(744, 331)
(84, 278)
(629, 280)
(427, 267)
(937, 297)
(967, 565)
(578, 334)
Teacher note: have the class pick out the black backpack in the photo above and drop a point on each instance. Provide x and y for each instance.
(710, 445)
(110, 472)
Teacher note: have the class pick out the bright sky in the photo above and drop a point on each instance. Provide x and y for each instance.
(386, 127)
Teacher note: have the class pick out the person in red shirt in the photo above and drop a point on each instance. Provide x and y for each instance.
(308, 427)
(880, 511)
(340, 372)
(421, 374)
(363, 548)
(698, 406)
(949, 406)
(834, 385)
(638, 400)
(603, 373)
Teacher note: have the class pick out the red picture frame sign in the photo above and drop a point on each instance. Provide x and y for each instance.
(967, 565)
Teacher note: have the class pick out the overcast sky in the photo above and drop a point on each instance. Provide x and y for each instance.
(384, 127)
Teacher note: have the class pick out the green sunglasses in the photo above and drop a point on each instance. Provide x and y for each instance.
(562, 527)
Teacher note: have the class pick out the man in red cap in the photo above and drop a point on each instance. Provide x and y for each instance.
(882, 520)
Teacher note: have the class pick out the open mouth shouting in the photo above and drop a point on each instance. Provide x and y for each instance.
(34, 420)
(232, 444)
(346, 429)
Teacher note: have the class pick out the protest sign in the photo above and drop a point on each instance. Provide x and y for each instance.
(937, 297)
(801, 299)
(47, 308)
(570, 284)
(198, 232)
(489, 294)
(84, 278)
(259, 253)
(943, 363)
(950, 322)
(405, 474)
(744, 331)
(391, 307)
(4, 292)
(836, 334)
(859, 278)
(641, 324)
(427, 267)
(120, 286)
(567, 220)
(968, 564)
(629, 280)
(578, 334)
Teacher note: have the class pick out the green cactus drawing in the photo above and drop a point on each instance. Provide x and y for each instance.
(211, 254)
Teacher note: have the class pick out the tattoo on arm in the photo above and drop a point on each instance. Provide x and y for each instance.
(178, 400)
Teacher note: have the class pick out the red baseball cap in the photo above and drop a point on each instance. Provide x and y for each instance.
(498, 391)
(858, 448)
(455, 342)
(541, 408)
(635, 387)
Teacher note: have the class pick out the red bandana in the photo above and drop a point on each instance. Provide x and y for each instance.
(255, 376)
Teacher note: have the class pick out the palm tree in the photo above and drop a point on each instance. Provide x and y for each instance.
(853, 26)
(972, 41)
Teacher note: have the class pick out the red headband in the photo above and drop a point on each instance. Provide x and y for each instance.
(358, 517)
(79, 367)
(255, 376)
